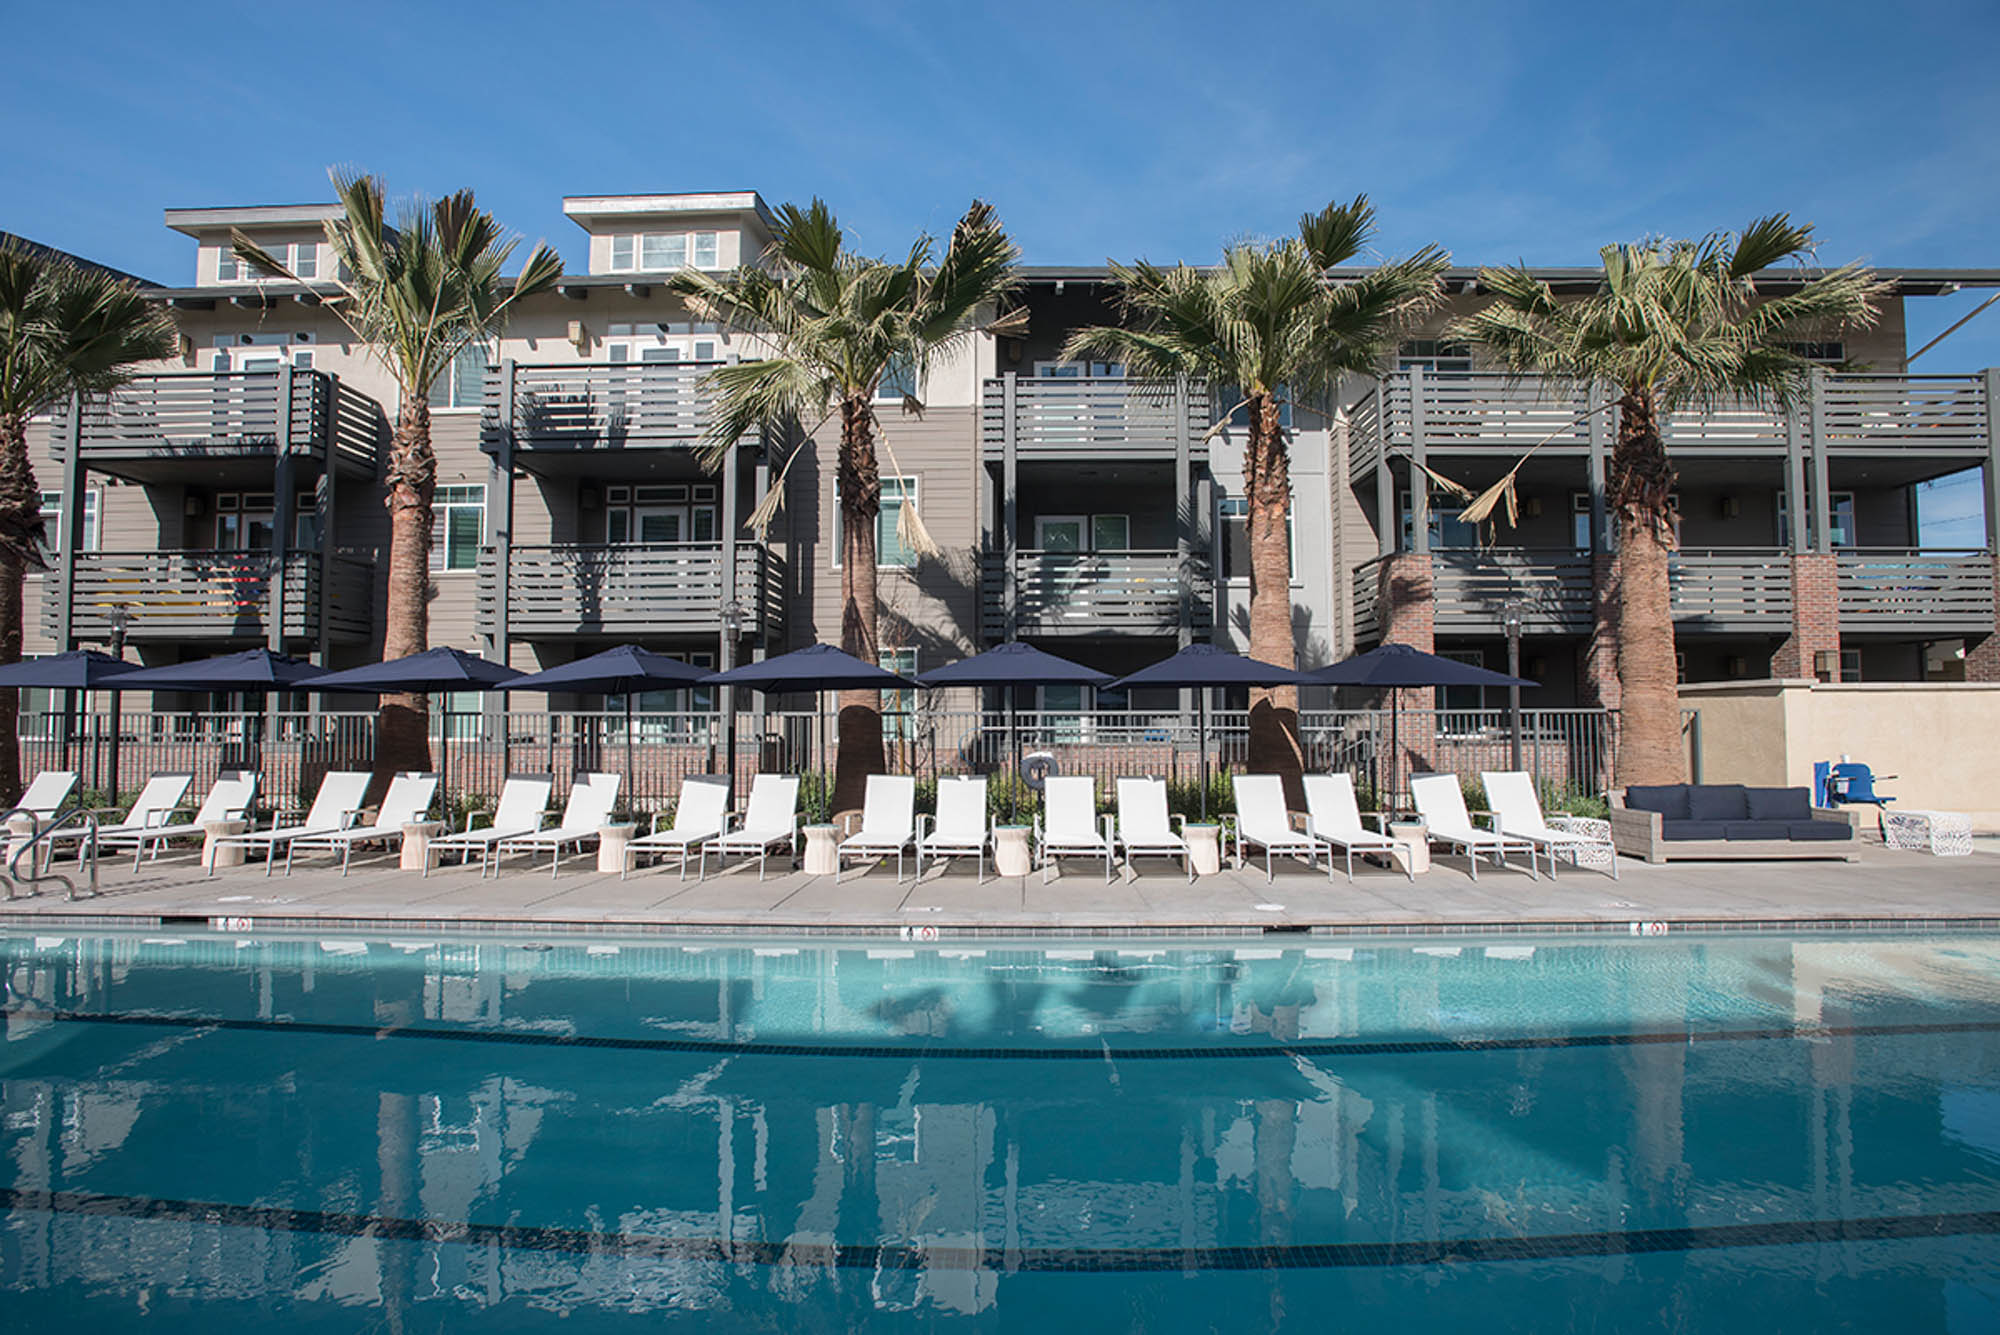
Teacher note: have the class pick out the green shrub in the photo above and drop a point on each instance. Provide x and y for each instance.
(815, 799)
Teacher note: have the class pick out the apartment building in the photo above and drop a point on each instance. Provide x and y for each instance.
(232, 497)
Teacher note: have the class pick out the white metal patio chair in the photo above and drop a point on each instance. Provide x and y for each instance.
(524, 798)
(334, 808)
(407, 801)
(1333, 817)
(888, 822)
(772, 819)
(1517, 810)
(1143, 827)
(1262, 820)
(698, 817)
(1441, 803)
(1069, 824)
(45, 795)
(591, 798)
(151, 810)
(230, 797)
(961, 825)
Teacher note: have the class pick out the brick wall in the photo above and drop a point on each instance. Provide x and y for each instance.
(1815, 616)
(1982, 653)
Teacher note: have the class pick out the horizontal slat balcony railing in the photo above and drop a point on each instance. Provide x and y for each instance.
(1096, 417)
(1945, 414)
(1722, 588)
(629, 405)
(213, 595)
(1368, 599)
(632, 589)
(1097, 593)
(1458, 410)
(202, 415)
(1472, 589)
(1896, 589)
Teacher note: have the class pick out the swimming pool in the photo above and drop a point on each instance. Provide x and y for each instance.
(1744, 1133)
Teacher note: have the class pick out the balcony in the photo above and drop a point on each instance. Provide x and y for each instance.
(590, 410)
(142, 428)
(1096, 593)
(1093, 418)
(214, 596)
(1887, 589)
(1471, 590)
(1726, 589)
(650, 589)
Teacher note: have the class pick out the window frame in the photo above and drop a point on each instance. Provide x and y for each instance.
(1224, 512)
(443, 505)
(52, 523)
(914, 484)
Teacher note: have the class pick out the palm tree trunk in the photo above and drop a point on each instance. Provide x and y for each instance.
(860, 504)
(20, 524)
(1267, 484)
(1649, 720)
(402, 740)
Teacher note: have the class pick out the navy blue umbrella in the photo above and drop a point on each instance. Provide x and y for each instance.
(431, 670)
(816, 668)
(1203, 666)
(252, 671)
(1011, 665)
(1399, 665)
(77, 670)
(625, 670)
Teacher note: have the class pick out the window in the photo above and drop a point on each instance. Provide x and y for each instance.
(305, 521)
(706, 250)
(1234, 515)
(1434, 355)
(53, 533)
(663, 252)
(889, 549)
(1840, 520)
(305, 259)
(652, 709)
(666, 341)
(657, 252)
(300, 257)
(1465, 698)
(244, 521)
(461, 527)
(1091, 370)
(622, 250)
(462, 716)
(1579, 520)
(1830, 351)
(899, 380)
(1110, 533)
(1448, 531)
(1067, 533)
(263, 352)
(898, 707)
(1229, 396)
(676, 512)
(463, 383)
(1850, 665)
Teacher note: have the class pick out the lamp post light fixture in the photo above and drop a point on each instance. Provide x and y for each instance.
(120, 617)
(732, 616)
(1511, 618)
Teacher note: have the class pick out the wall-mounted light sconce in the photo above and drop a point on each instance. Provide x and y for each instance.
(1736, 665)
(1731, 507)
(1014, 350)
(193, 505)
(1531, 506)
(578, 337)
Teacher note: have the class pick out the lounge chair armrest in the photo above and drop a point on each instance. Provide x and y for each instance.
(1181, 822)
(923, 821)
(155, 819)
(352, 817)
(1104, 823)
(1381, 819)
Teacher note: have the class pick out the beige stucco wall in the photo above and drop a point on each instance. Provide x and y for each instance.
(1936, 737)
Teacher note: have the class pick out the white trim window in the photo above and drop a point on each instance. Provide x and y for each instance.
(1448, 531)
(460, 527)
(898, 707)
(676, 512)
(663, 252)
(462, 385)
(301, 257)
(671, 342)
(899, 381)
(890, 554)
(1232, 524)
(1437, 356)
(53, 532)
(263, 351)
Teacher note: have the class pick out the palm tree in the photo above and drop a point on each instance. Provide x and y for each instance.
(1279, 325)
(65, 328)
(835, 323)
(1674, 324)
(416, 295)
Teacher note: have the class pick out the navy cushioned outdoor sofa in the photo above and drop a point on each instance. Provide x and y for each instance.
(1705, 821)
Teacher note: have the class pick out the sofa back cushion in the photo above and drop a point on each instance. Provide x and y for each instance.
(1718, 801)
(1786, 804)
(1669, 799)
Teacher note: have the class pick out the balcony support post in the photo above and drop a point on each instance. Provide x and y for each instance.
(728, 624)
(284, 498)
(500, 490)
(1009, 500)
(323, 500)
(1183, 512)
(1420, 482)
(1822, 500)
(1795, 484)
(1982, 652)
(1600, 472)
(1387, 533)
(72, 523)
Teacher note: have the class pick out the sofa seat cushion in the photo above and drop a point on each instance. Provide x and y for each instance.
(1681, 830)
(1718, 801)
(1669, 799)
(1804, 831)
(1756, 829)
(1786, 804)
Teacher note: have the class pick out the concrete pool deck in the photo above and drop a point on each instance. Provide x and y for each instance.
(1886, 888)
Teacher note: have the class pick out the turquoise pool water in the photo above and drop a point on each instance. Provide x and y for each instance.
(1752, 1133)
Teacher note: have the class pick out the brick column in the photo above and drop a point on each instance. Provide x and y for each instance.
(1597, 675)
(1815, 615)
(1982, 652)
(1409, 616)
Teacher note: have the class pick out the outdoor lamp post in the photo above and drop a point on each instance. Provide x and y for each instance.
(732, 626)
(121, 621)
(1511, 617)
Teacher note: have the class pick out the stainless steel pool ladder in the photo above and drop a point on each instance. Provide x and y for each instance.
(39, 845)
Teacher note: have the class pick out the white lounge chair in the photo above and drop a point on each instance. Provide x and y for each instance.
(1143, 827)
(772, 819)
(523, 800)
(888, 822)
(960, 827)
(1334, 818)
(1441, 803)
(1263, 820)
(1069, 824)
(591, 798)
(335, 807)
(1517, 810)
(698, 817)
(407, 801)
(46, 794)
(152, 809)
(230, 797)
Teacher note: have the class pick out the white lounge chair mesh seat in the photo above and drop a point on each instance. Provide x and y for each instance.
(1441, 803)
(407, 801)
(151, 810)
(1333, 817)
(1517, 809)
(591, 798)
(334, 808)
(888, 822)
(1263, 820)
(1069, 824)
(523, 801)
(698, 817)
(1143, 827)
(230, 797)
(772, 818)
(961, 825)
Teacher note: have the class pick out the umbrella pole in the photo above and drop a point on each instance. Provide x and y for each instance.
(631, 781)
(1013, 746)
(1395, 745)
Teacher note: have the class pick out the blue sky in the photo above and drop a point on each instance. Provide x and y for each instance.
(1519, 131)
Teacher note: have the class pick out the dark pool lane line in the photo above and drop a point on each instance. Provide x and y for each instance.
(893, 1051)
(1093, 1260)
